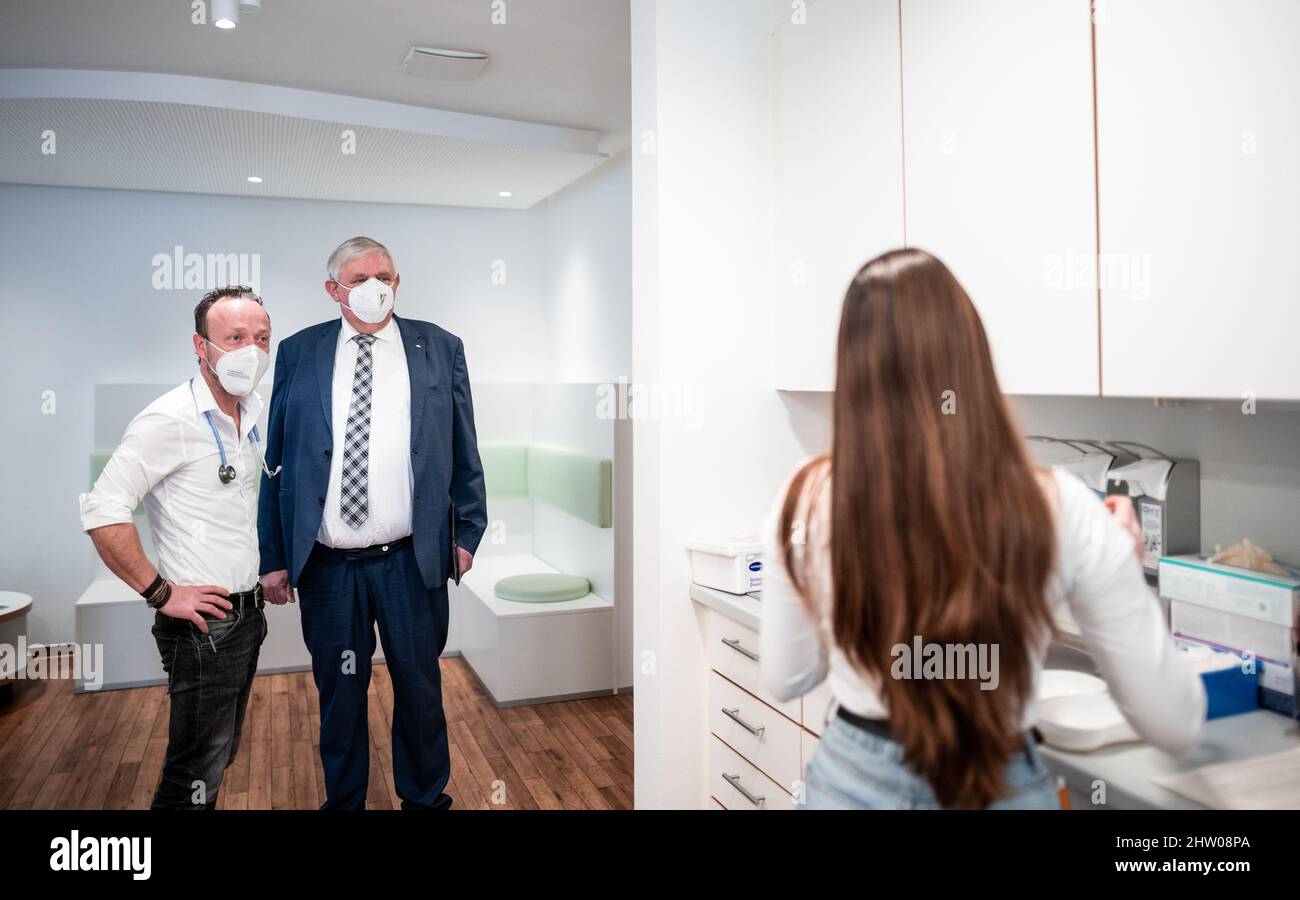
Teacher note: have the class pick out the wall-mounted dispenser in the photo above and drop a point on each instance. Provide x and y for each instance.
(1166, 495)
(1090, 463)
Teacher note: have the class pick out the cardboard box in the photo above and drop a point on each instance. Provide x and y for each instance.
(1274, 599)
(1273, 648)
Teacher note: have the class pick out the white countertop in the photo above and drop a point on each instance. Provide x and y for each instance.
(742, 608)
(1127, 768)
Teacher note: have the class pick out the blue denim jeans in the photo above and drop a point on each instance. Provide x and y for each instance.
(852, 768)
(209, 677)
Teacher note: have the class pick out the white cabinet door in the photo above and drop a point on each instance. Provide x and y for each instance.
(839, 176)
(1198, 105)
(1000, 175)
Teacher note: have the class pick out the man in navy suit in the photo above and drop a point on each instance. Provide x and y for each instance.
(372, 421)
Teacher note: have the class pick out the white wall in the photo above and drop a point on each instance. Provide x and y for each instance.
(702, 309)
(1250, 468)
(81, 310)
(589, 258)
(589, 254)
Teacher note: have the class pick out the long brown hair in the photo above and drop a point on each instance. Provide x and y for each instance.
(939, 528)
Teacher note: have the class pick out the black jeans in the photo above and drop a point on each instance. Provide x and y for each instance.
(209, 679)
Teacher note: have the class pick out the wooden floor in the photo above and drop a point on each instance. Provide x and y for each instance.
(63, 750)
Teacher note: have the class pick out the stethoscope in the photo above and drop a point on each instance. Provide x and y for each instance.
(225, 471)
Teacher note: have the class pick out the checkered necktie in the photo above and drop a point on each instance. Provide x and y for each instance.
(356, 445)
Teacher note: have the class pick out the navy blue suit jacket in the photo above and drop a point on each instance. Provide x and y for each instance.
(444, 449)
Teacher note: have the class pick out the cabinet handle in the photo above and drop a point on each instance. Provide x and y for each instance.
(734, 781)
(734, 644)
(734, 715)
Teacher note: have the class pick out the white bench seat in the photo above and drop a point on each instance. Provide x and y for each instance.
(532, 652)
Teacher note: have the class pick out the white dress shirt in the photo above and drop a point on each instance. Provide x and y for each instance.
(1097, 576)
(392, 478)
(205, 532)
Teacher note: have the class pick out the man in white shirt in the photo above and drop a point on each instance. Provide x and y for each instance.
(190, 456)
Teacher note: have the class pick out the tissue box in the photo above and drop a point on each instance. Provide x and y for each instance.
(1274, 599)
(1239, 611)
(1275, 671)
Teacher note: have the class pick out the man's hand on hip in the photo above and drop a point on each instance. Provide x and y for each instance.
(465, 559)
(191, 602)
(275, 585)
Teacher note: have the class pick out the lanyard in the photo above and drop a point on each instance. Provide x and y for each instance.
(226, 472)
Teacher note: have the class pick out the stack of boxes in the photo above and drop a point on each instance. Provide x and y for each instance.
(1251, 614)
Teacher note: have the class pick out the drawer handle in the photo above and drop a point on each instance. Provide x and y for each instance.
(734, 715)
(734, 781)
(734, 644)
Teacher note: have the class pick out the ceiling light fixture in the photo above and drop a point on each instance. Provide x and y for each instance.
(255, 179)
(505, 194)
(225, 13)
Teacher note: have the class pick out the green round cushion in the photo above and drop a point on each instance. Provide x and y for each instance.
(542, 588)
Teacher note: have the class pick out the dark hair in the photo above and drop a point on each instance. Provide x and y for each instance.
(210, 299)
(938, 525)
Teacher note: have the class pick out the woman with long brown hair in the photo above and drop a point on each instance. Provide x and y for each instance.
(918, 565)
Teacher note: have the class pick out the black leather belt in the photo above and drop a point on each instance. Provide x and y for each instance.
(370, 552)
(880, 727)
(248, 599)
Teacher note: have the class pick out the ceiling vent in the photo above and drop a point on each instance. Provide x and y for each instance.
(444, 65)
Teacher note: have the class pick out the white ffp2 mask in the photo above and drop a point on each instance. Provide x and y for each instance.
(370, 301)
(239, 371)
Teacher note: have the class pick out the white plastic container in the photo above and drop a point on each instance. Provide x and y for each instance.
(734, 565)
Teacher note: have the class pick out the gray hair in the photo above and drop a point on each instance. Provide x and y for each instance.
(351, 249)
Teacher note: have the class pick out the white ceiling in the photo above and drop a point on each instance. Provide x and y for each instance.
(183, 148)
(561, 62)
(272, 97)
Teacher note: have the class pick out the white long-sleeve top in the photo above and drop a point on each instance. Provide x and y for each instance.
(1097, 576)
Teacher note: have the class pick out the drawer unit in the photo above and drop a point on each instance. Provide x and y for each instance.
(755, 730)
(735, 784)
(733, 651)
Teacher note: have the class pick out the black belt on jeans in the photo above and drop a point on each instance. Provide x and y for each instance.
(369, 552)
(246, 599)
(880, 727)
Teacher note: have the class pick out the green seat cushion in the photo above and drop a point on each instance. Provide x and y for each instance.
(542, 587)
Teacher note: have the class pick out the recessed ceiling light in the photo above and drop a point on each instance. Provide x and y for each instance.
(225, 13)
(505, 194)
(255, 179)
